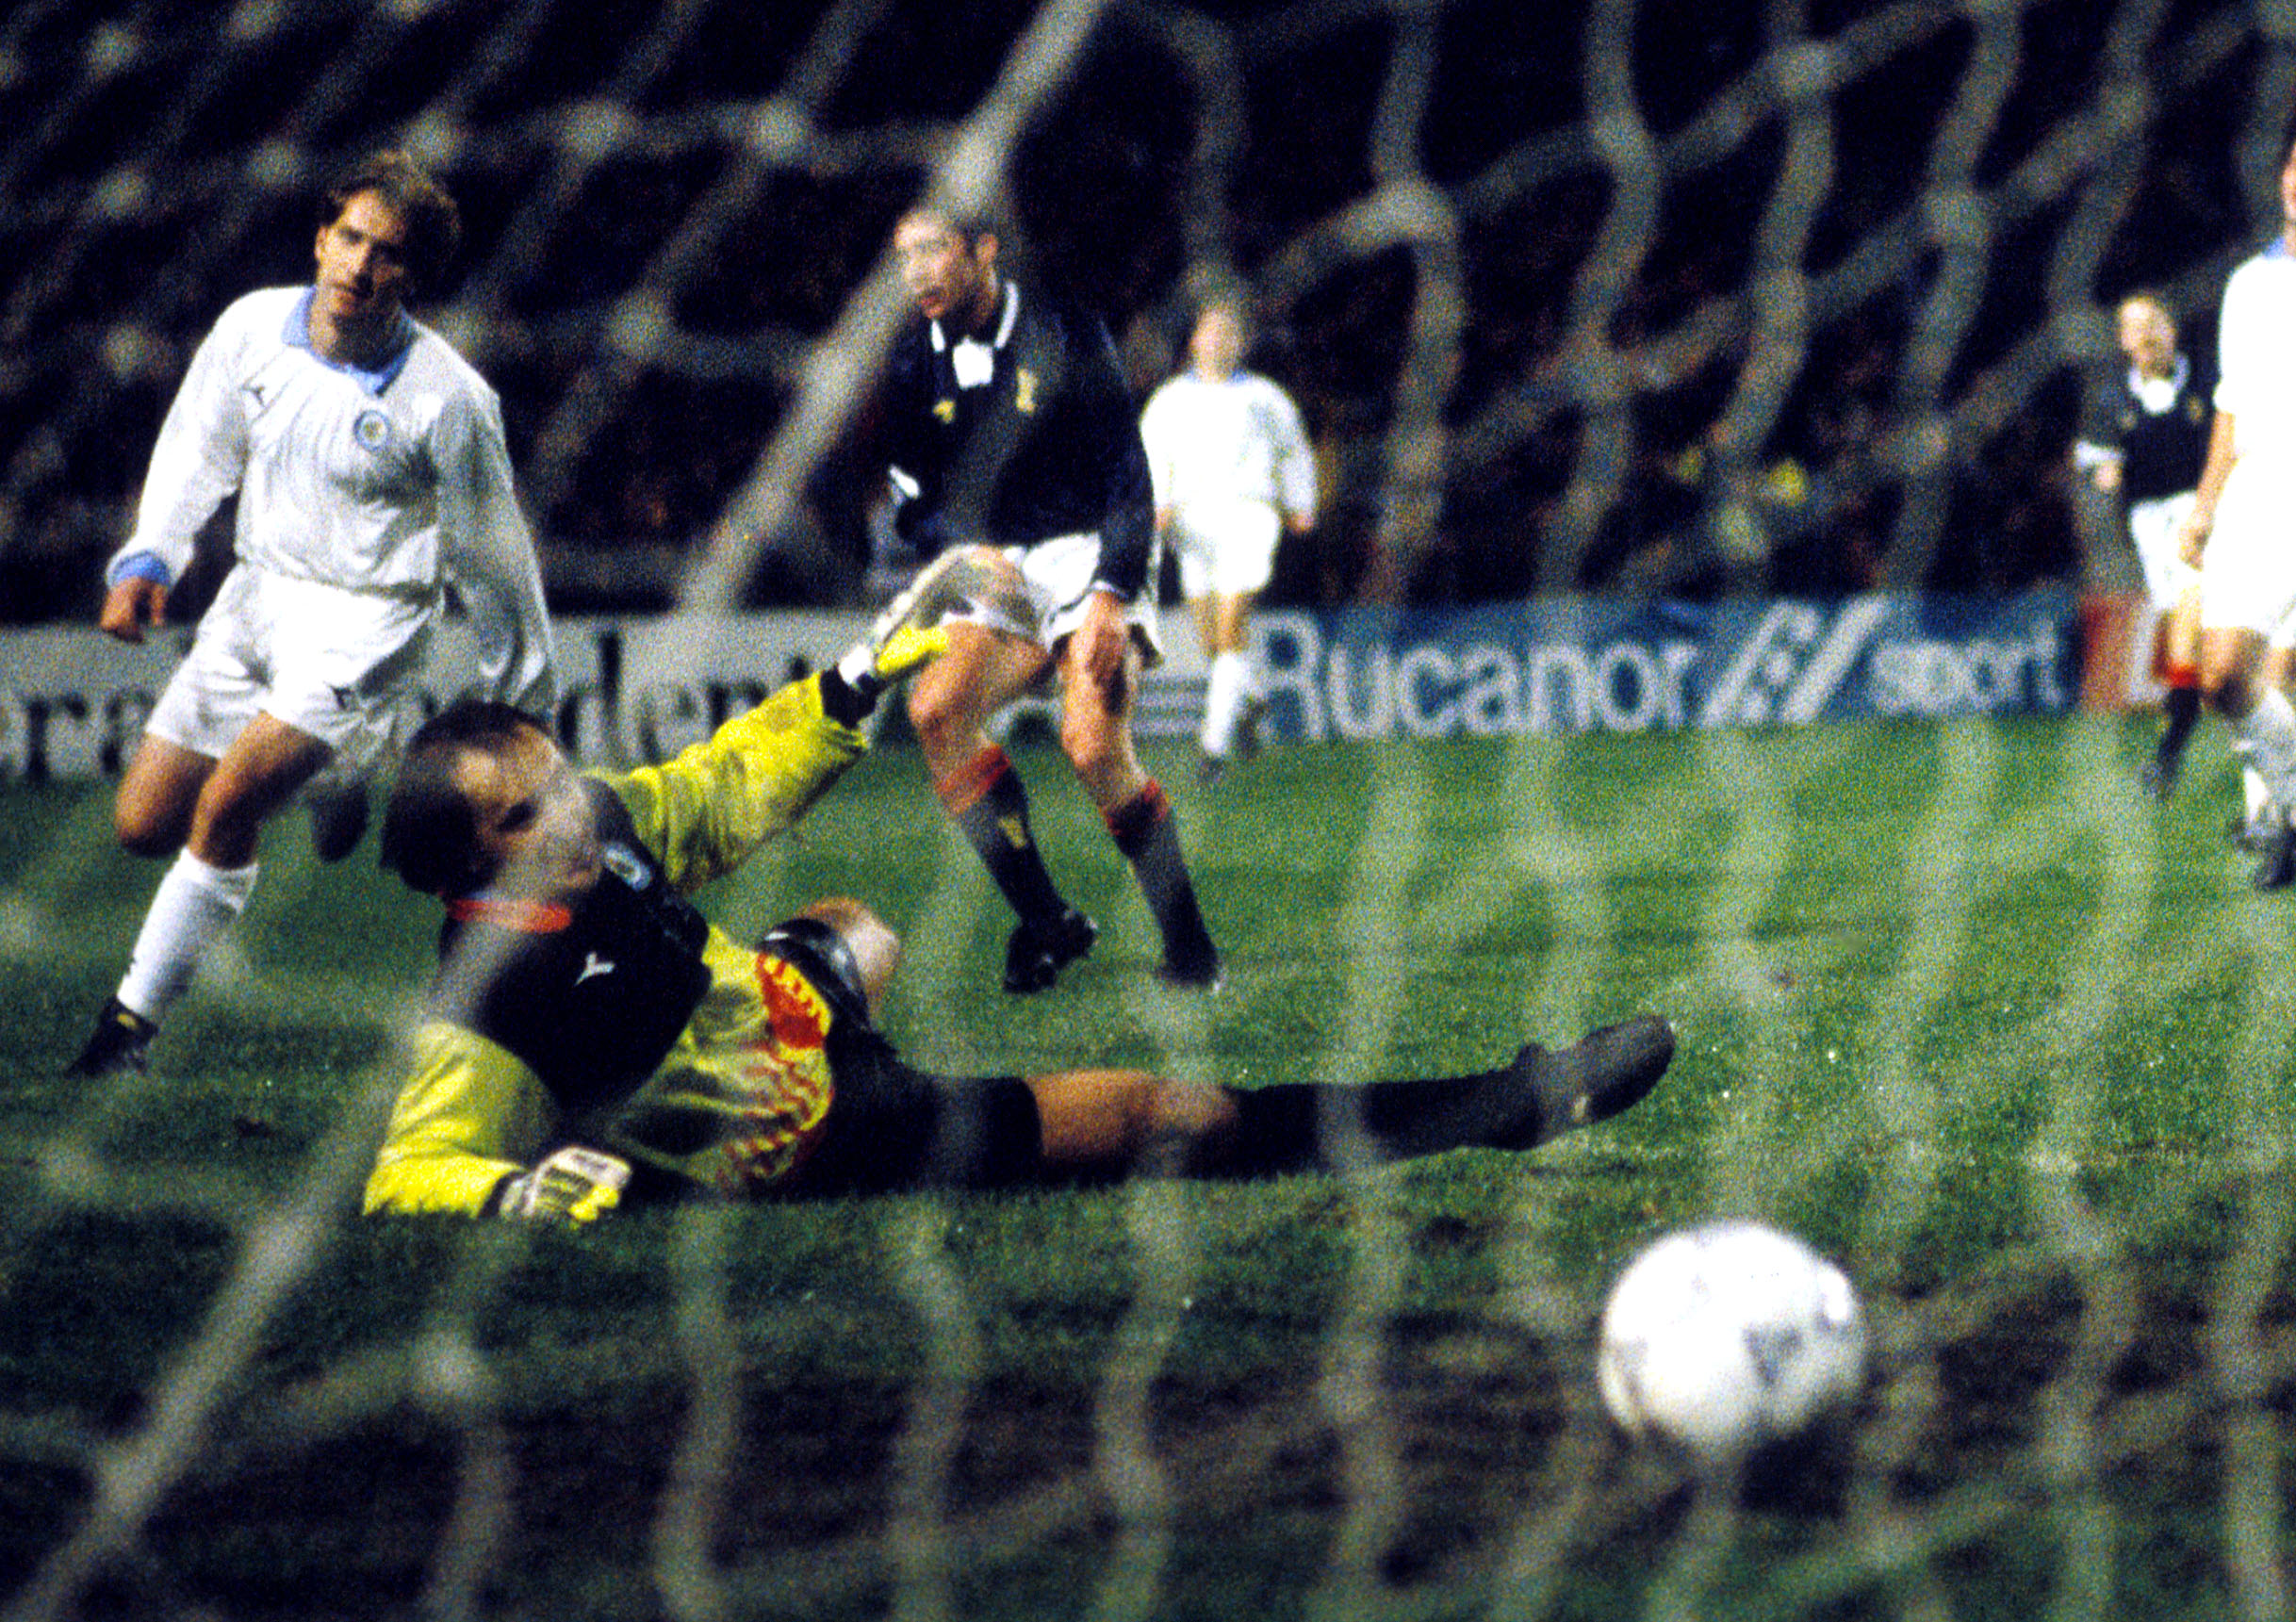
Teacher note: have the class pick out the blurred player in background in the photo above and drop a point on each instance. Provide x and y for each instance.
(2144, 439)
(371, 469)
(592, 1036)
(1228, 458)
(1007, 424)
(2237, 533)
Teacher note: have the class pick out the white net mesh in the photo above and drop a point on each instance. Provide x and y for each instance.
(1780, 298)
(1516, 270)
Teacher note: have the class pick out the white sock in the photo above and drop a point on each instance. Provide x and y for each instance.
(2265, 741)
(1225, 697)
(2254, 797)
(196, 903)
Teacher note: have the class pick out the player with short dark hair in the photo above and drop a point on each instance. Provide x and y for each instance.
(1008, 429)
(432, 220)
(371, 471)
(591, 1036)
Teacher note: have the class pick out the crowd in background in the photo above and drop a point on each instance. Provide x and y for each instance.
(629, 460)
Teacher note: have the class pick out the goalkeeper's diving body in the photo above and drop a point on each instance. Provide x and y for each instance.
(591, 1039)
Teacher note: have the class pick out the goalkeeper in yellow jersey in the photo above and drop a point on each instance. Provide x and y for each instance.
(592, 1039)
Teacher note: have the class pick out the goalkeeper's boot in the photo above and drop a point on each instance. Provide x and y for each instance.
(1604, 1074)
(1039, 949)
(121, 1044)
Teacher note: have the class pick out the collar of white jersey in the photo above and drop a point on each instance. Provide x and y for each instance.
(374, 379)
(1005, 323)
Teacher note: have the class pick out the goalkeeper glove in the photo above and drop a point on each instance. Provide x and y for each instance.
(909, 635)
(573, 1185)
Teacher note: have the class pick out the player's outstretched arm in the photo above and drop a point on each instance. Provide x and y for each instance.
(470, 1117)
(704, 811)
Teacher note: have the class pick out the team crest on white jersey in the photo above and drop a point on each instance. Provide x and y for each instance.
(371, 429)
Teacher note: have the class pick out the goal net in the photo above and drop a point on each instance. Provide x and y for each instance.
(1788, 298)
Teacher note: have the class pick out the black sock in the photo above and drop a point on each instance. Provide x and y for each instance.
(991, 808)
(2183, 708)
(1144, 831)
(1303, 1126)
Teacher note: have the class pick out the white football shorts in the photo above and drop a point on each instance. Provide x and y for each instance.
(1057, 576)
(2152, 528)
(1224, 546)
(338, 664)
(2248, 571)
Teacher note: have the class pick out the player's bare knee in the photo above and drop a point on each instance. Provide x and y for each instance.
(875, 944)
(143, 832)
(229, 817)
(1095, 745)
(944, 713)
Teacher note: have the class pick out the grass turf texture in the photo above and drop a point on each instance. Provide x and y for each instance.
(1957, 1004)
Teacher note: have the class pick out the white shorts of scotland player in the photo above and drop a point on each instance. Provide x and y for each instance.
(2153, 528)
(1224, 546)
(1058, 575)
(337, 664)
(2248, 573)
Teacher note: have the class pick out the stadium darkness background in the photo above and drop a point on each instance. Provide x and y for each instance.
(163, 160)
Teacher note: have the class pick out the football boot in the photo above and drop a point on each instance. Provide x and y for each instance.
(1604, 1074)
(121, 1044)
(1039, 950)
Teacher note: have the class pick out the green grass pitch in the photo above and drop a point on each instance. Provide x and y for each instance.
(1957, 1004)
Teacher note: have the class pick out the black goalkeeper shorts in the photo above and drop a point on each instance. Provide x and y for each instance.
(892, 1126)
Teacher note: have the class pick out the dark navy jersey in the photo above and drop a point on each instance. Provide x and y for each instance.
(2161, 451)
(588, 996)
(1020, 433)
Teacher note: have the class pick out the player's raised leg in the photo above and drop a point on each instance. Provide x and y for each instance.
(1118, 1120)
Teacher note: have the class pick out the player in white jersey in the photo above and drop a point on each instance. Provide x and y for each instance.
(2239, 530)
(371, 471)
(1229, 459)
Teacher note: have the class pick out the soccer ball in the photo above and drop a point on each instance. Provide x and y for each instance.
(1724, 1338)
